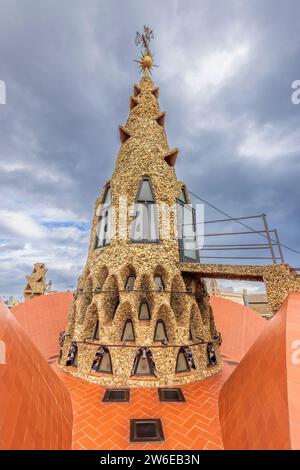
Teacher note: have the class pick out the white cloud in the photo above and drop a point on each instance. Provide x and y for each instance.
(268, 143)
(21, 224)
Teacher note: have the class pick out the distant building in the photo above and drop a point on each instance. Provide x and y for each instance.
(258, 302)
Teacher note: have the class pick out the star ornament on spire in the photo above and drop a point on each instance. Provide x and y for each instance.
(146, 59)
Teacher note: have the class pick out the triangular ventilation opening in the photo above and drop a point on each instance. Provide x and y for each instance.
(102, 361)
(144, 313)
(160, 331)
(136, 90)
(143, 363)
(170, 157)
(124, 134)
(128, 332)
(161, 119)
(155, 92)
(182, 363)
(133, 102)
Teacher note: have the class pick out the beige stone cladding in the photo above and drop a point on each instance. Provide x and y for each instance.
(182, 304)
(36, 282)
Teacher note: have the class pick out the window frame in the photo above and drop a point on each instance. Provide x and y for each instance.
(181, 350)
(181, 206)
(144, 301)
(164, 327)
(146, 204)
(107, 208)
(151, 374)
(128, 320)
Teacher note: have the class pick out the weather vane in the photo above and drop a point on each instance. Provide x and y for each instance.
(146, 59)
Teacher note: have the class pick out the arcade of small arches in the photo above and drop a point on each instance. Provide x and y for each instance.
(155, 320)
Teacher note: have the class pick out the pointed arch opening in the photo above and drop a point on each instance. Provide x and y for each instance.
(99, 279)
(111, 298)
(128, 331)
(165, 324)
(144, 364)
(185, 361)
(178, 298)
(146, 297)
(186, 231)
(91, 326)
(211, 355)
(160, 333)
(96, 333)
(144, 310)
(144, 227)
(102, 361)
(160, 278)
(86, 298)
(128, 275)
(72, 359)
(196, 324)
(104, 230)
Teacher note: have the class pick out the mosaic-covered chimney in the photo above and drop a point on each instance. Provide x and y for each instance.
(137, 318)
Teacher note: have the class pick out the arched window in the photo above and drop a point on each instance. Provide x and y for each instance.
(187, 234)
(116, 305)
(72, 359)
(159, 285)
(144, 228)
(96, 331)
(144, 313)
(128, 331)
(160, 331)
(130, 283)
(104, 227)
(185, 361)
(102, 361)
(211, 355)
(144, 363)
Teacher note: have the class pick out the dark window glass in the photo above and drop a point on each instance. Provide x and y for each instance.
(211, 355)
(102, 361)
(96, 331)
(104, 228)
(130, 283)
(144, 313)
(160, 331)
(144, 363)
(158, 283)
(128, 332)
(186, 229)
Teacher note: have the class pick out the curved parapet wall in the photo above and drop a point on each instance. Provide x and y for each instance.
(36, 409)
(259, 403)
(43, 318)
(239, 326)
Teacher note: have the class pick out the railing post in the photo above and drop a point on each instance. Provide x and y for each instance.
(279, 246)
(264, 217)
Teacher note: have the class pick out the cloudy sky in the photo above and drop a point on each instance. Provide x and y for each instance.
(225, 75)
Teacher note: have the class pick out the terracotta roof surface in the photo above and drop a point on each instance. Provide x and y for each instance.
(36, 409)
(259, 404)
(43, 318)
(239, 326)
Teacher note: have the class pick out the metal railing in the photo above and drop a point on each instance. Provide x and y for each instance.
(270, 247)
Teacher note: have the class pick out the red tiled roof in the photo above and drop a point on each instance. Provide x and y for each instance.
(36, 409)
(43, 318)
(259, 404)
(239, 326)
(190, 425)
